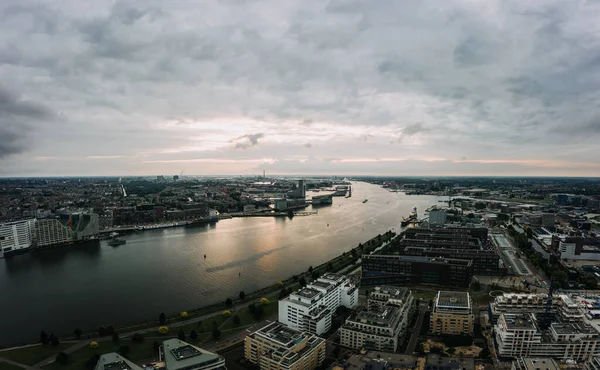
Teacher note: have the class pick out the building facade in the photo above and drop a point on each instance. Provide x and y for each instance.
(311, 308)
(16, 236)
(534, 363)
(409, 270)
(381, 330)
(51, 231)
(452, 314)
(437, 217)
(278, 347)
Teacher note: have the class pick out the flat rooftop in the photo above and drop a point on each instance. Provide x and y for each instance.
(538, 363)
(307, 293)
(519, 321)
(453, 300)
(332, 276)
(321, 284)
(280, 333)
(114, 361)
(181, 355)
(572, 328)
(393, 292)
(382, 318)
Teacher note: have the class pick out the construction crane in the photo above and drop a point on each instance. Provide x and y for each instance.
(545, 323)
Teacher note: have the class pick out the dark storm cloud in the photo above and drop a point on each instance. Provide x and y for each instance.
(246, 141)
(16, 119)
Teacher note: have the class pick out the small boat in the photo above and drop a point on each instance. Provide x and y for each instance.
(115, 242)
(365, 201)
(205, 256)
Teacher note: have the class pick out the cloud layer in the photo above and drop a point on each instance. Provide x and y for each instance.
(345, 87)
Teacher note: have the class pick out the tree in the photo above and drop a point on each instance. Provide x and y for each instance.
(295, 278)
(228, 302)
(485, 352)
(560, 276)
(123, 350)
(155, 346)
(329, 266)
(236, 320)
(315, 275)
(470, 215)
(451, 351)
(44, 337)
(258, 312)
(181, 335)
(137, 338)
(242, 295)
(353, 252)
(162, 319)
(302, 281)
(193, 334)
(310, 269)
(283, 293)
(115, 337)
(216, 333)
(62, 358)
(336, 351)
(53, 340)
(420, 347)
(163, 330)
(251, 307)
(476, 286)
(77, 333)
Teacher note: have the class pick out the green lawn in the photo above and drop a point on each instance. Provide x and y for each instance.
(7, 366)
(246, 318)
(34, 354)
(425, 295)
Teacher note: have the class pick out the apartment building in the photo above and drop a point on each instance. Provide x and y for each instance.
(379, 330)
(567, 309)
(278, 347)
(16, 236)
(381, 296)
(310, 309)
(592, 364)
(520, 335)
(51, 231)
(452, 314)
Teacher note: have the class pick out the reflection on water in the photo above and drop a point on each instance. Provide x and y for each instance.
(165, 270)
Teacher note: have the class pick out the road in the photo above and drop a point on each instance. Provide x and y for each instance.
(416, 330)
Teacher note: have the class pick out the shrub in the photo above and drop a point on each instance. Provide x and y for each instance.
(228, 302)
(62, 358)
(183, 314)
(163, 330)
(264, 301)
(242, 295)
(226, 313)
(137, 338)
(94, 344)
(280, 284)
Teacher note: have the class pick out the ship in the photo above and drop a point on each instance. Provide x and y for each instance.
(115, 242)
(163, 225)
(412, 217)
(365, 201)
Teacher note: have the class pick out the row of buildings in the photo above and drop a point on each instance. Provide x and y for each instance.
(447, 256)
(19, 236)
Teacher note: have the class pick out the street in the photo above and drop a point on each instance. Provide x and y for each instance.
(416, 330)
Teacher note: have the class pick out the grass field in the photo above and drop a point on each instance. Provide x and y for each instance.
(7, 366)
(33, 354)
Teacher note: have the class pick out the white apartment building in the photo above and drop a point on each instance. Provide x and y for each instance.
(16, 236)
(567, 308)
(592, 364)
(311, 308)
(519, 335)
(51, 231)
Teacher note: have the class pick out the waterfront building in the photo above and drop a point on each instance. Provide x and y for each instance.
(534, 363)
(180, 355)
(114, 361)
(16, 236)
(485, 261)
(311, 308)
(562, 304)
(278, 347)
(437, 217)
(83, 225)
(381, 330)
(452, 314)
(409, 270)
(51, 231)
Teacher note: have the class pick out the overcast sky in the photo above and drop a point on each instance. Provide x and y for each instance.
(300, 87)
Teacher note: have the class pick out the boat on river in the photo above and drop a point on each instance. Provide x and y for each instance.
(115, 242)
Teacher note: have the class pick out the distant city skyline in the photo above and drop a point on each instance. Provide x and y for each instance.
(451, 88)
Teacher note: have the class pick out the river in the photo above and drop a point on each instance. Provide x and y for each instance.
(165, 270)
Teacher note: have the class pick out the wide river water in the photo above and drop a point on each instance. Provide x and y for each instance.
(165, 271)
